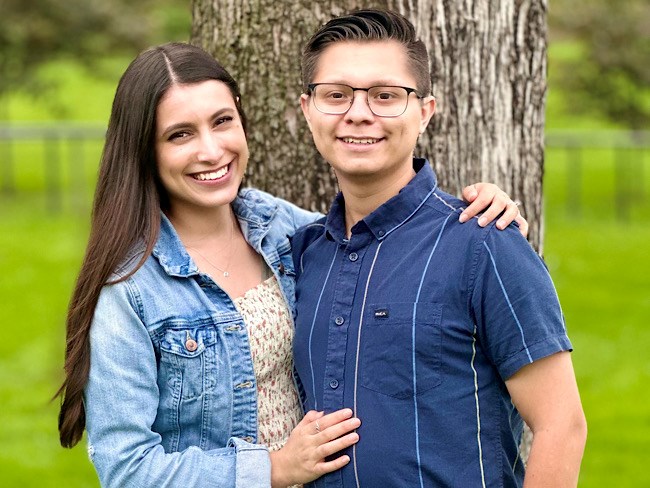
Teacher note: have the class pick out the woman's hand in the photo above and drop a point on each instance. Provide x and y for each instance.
(489, 197)
(316, 437)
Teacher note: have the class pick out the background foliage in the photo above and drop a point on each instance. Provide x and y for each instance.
(599, 262)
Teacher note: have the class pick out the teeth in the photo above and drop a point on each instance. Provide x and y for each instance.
(352, 140)
(213, 175)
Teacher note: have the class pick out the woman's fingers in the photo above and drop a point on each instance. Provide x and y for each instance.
(337, 445)
(325, 467)
(480, 195)
(334, 418)
(509, 214)
(523, 225)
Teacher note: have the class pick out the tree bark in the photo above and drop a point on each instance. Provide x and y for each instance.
(488, 74)
(488, 61)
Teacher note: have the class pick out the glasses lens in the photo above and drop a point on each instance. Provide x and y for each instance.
(387, 101)
(333, 99)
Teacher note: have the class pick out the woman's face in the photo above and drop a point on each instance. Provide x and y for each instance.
(201, 149)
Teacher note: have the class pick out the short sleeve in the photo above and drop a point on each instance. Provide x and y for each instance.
(514, 303)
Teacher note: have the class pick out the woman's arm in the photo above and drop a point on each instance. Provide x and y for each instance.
(121, 401)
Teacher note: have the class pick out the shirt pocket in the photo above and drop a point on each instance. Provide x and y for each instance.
(400, 348)
(188, 361)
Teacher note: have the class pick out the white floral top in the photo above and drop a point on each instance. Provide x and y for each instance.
(270, 332)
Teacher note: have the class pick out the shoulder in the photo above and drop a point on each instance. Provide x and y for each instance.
(304, 237)
(259, 206)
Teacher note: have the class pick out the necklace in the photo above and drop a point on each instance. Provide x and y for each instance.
(224, 270)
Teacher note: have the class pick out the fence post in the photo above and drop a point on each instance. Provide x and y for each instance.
(52, 172)
(7, 158)
(574, 181)
(623, 189)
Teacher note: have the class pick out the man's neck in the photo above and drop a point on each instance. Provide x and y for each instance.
(363, 197)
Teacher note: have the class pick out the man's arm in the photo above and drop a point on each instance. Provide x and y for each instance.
(546, 395)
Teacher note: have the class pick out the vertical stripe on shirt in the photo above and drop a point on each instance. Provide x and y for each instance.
(505, 295)
(356, 364)
(415, 391)
(478, 410)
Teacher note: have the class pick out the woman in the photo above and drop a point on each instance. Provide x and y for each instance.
(178, 360)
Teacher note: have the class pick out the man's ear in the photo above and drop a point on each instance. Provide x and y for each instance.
(427, 110)
(304, 105)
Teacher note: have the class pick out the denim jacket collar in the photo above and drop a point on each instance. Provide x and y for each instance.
(254, 215)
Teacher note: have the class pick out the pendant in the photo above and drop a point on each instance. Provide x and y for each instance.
(226, 274)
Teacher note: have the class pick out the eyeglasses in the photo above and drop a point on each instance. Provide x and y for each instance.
(383, 101)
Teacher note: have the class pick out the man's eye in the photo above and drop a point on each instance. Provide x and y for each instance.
(336, 95)
(385, 95)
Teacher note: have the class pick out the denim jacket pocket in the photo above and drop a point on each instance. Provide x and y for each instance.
(188, 361)
(401, 345)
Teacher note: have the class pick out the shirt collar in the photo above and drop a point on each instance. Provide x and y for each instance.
(392, 213)
(171, 253)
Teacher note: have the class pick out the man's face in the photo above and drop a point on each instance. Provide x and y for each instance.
(361, 146)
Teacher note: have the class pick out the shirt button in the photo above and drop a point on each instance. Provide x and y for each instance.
(191, 345)
(339, 320)
(353, 256)
(247, 439)
(334, 384)
(381, 233)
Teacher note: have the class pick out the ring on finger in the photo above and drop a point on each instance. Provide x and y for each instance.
(317, 427)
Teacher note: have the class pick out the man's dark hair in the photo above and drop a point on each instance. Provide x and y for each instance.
(369, 25)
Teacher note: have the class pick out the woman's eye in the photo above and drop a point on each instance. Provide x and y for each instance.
(178, 135)
(223, 120)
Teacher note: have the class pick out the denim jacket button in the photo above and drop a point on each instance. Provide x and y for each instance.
(191, 345)
(247, 439)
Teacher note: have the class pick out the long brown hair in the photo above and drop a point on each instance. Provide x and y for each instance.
(128, 200)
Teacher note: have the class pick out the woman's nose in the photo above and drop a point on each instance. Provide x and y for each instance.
(210, 148)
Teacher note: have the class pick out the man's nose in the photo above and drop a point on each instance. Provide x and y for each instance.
(359, 110)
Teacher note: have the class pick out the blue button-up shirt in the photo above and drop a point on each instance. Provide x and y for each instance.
(415, 321)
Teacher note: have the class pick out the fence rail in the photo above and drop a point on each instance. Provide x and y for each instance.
(65, 145)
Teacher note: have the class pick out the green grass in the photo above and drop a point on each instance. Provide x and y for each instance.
(40, 256)
(599, 262)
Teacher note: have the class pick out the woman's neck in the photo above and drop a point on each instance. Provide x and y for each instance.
(204, 226)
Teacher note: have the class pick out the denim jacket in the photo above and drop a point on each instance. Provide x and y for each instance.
(171, 397)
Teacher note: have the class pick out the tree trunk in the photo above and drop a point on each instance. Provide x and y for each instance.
(488, 74)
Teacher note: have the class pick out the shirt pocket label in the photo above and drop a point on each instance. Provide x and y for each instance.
(400, 348)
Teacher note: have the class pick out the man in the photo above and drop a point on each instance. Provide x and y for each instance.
(440, 336)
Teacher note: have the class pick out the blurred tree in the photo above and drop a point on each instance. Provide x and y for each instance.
(35, 32)
(611, 72)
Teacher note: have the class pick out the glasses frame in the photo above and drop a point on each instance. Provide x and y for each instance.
(312, 87)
